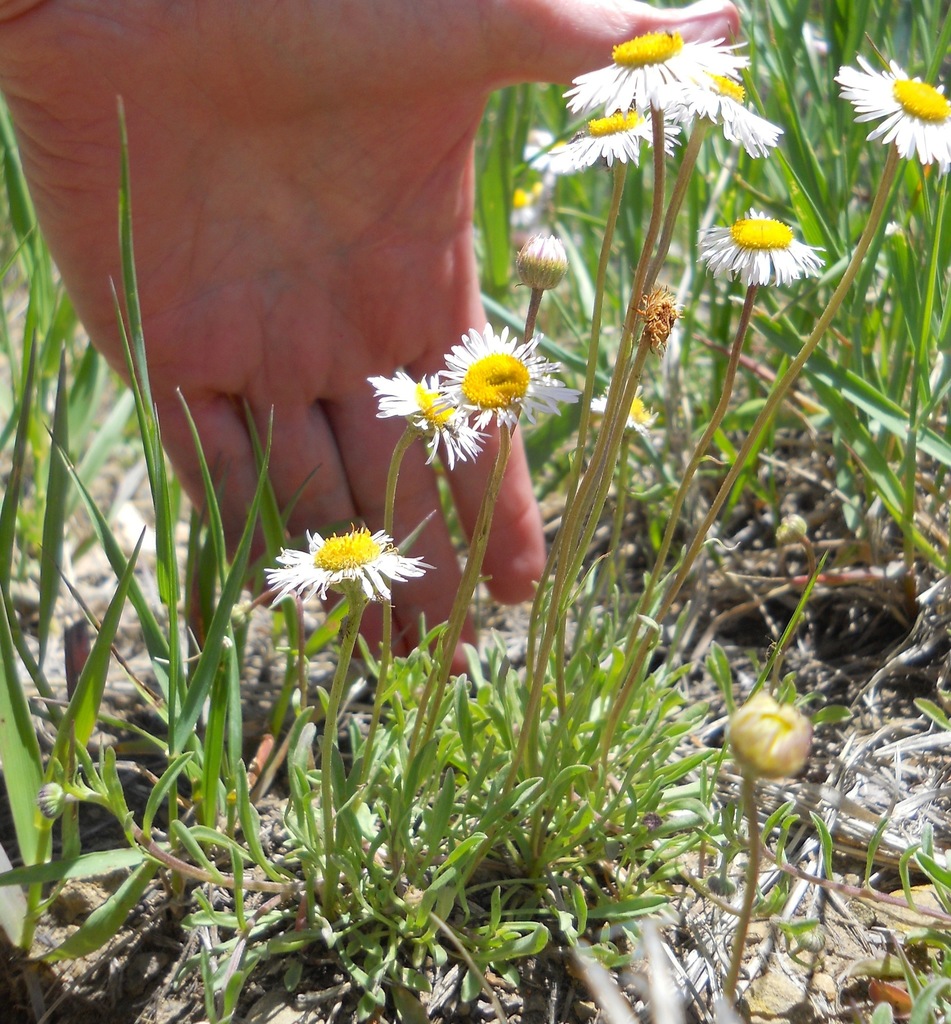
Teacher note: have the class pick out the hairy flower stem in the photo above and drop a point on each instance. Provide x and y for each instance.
(555, 551)
(357, 602)
(534, 303)
(435, 688)
(748, 792)
(386, 647)
(599, 475)
(699, 452)
(591, 371)
(684, 173)
(786, 381)
(583, 508)
(726, 394)
(773, 401)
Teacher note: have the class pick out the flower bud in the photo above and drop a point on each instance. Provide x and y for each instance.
(791, 530)
(542, 262)
(770, 739)
(51, 800)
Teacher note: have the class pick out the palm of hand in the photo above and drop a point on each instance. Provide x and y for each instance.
(301, 198)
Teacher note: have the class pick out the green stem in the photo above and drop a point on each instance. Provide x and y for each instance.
(435, 687)
(583, 507)
(620, 509)
(591, 372)
(749, 896)
(386, 646)
(357, 600)
(786, 381)
(530, 317)
(699, 452)
(687, 162)
(770, 407)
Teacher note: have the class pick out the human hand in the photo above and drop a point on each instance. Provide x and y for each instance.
(302, 191)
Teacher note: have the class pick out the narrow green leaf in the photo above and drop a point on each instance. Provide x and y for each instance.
(163, 787)
(200, 684)
(86, 865)
(107, 919)
(80, 717)
(54, 517)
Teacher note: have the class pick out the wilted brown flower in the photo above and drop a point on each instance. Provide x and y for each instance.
(659, 313)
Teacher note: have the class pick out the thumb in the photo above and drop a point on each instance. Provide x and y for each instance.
(556, 40)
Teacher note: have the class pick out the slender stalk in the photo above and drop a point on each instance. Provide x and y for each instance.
(554, 553)
(638, 654)
(749, 895)
(584, 506)
(531, 316)
(620, 509)
(351, 629)
(684, 172)
(386, 646)
(786, 381)
(591, 370)
(700, 451)
(435, 687)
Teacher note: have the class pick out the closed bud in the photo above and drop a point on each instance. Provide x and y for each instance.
(791, 530)
(769, 739)
(51, 800)
(542, 262)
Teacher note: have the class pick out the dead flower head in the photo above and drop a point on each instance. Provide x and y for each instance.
(659, 313)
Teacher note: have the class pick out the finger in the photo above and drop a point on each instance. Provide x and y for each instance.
(305, 469)
(555, 40)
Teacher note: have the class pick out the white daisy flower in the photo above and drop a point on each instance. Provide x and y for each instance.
(917, 116)
(758, 248)
(495, 377)
(430, 412)
(642, 66)
(341, 561)
(614, 137)
(721, 100)
(640, 418)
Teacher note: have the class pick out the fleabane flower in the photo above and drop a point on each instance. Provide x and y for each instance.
(618, 136)
(640, 418)
(431, 413)
(916, 116)
(358, 559)
(758, 249)
(642, 66)
(721, 100)
(495, 377)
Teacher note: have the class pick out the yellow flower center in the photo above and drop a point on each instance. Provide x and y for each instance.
(523, 198)
(761, 233)
(727, 87)
(651, 48)
(496, 381)
(640, 414)
(433, 406)
(922, 101)
(349, 551)
(613, 125)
